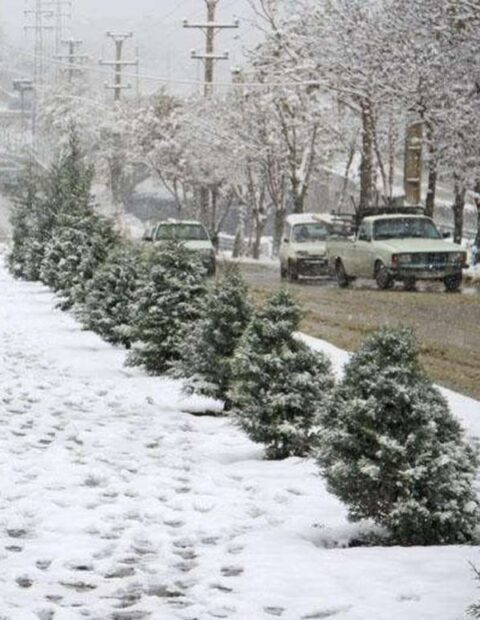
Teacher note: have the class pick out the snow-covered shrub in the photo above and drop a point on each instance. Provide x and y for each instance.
(74, 252)
(110, 294)
(392, 450)
(279, 387)
(168, 303)
(207, 352)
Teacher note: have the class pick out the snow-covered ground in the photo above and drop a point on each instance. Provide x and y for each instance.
(117, 504)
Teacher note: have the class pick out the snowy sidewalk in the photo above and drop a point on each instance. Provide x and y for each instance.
(114, 504)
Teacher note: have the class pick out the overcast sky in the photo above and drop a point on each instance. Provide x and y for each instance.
(157, 24)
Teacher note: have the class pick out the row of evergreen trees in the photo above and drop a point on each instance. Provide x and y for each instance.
(384, 437)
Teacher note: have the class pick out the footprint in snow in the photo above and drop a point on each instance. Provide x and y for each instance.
(232, 571)
(274, 611)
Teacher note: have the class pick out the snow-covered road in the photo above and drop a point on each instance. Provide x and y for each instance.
(116, 504)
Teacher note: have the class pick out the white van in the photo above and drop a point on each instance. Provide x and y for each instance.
(303, 250)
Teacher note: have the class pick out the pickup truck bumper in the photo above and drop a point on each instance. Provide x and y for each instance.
(312, 266)
(423, 272)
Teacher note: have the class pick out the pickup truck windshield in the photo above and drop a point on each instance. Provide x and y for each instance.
(307, 233)
(181, 232)
(405, 228)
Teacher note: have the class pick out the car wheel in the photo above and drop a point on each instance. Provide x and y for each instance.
(342, 278)
(410, 284)
(383, 279)
(453, 282)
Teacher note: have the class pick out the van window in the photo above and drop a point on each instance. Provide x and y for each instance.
(310, 232)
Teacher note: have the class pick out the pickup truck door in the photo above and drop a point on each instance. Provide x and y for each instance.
(363, 253)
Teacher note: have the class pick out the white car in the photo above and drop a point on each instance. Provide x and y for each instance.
(303, 250)
(193, 235)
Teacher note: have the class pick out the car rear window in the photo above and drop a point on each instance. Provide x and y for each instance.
(181, 232)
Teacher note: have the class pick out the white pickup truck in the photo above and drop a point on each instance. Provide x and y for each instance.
(397, 247)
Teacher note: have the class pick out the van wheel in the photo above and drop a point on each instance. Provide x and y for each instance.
(292, 273)
(342, 278)
(383, 279)
(453, 282)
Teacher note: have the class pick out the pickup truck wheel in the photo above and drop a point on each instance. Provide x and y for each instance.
(342, 278)
(383, 279)
(292, 273)
(453, 282)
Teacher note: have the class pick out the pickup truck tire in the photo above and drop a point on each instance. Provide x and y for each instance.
(342, 279)
(453, 282)
(292, 273)
(383, 279)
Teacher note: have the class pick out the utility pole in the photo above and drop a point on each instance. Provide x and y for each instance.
(57, 7)
(210, 28)
(39, 13)
(413, 163)
(118, 64)
(72, 57)
(209, 58)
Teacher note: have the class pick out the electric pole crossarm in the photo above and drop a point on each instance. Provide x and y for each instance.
(116, 87)
(120, 63)
(215, 25)
(194, 55)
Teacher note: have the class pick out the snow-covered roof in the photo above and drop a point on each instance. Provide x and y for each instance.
(390, 216)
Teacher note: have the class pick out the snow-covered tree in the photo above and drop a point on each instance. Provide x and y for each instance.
(77, 247)
(280, 388)
(30, 226)
(110, 294)
(167, 304)
(78, 239)
(392, 450)
(206, 354)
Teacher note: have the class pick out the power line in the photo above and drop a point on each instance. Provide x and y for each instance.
(165, 79)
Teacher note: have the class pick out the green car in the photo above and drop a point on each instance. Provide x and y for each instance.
(193, 235)
(397, 247)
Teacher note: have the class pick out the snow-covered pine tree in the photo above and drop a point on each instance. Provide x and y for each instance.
(76, 249)
(79, 239)
(392, 450)
(110, 294)
(280, 387)
(168, 302)
(31, 225)
(207, 352)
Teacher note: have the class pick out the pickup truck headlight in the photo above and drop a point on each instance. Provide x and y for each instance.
(401, 259)
(458, 258)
